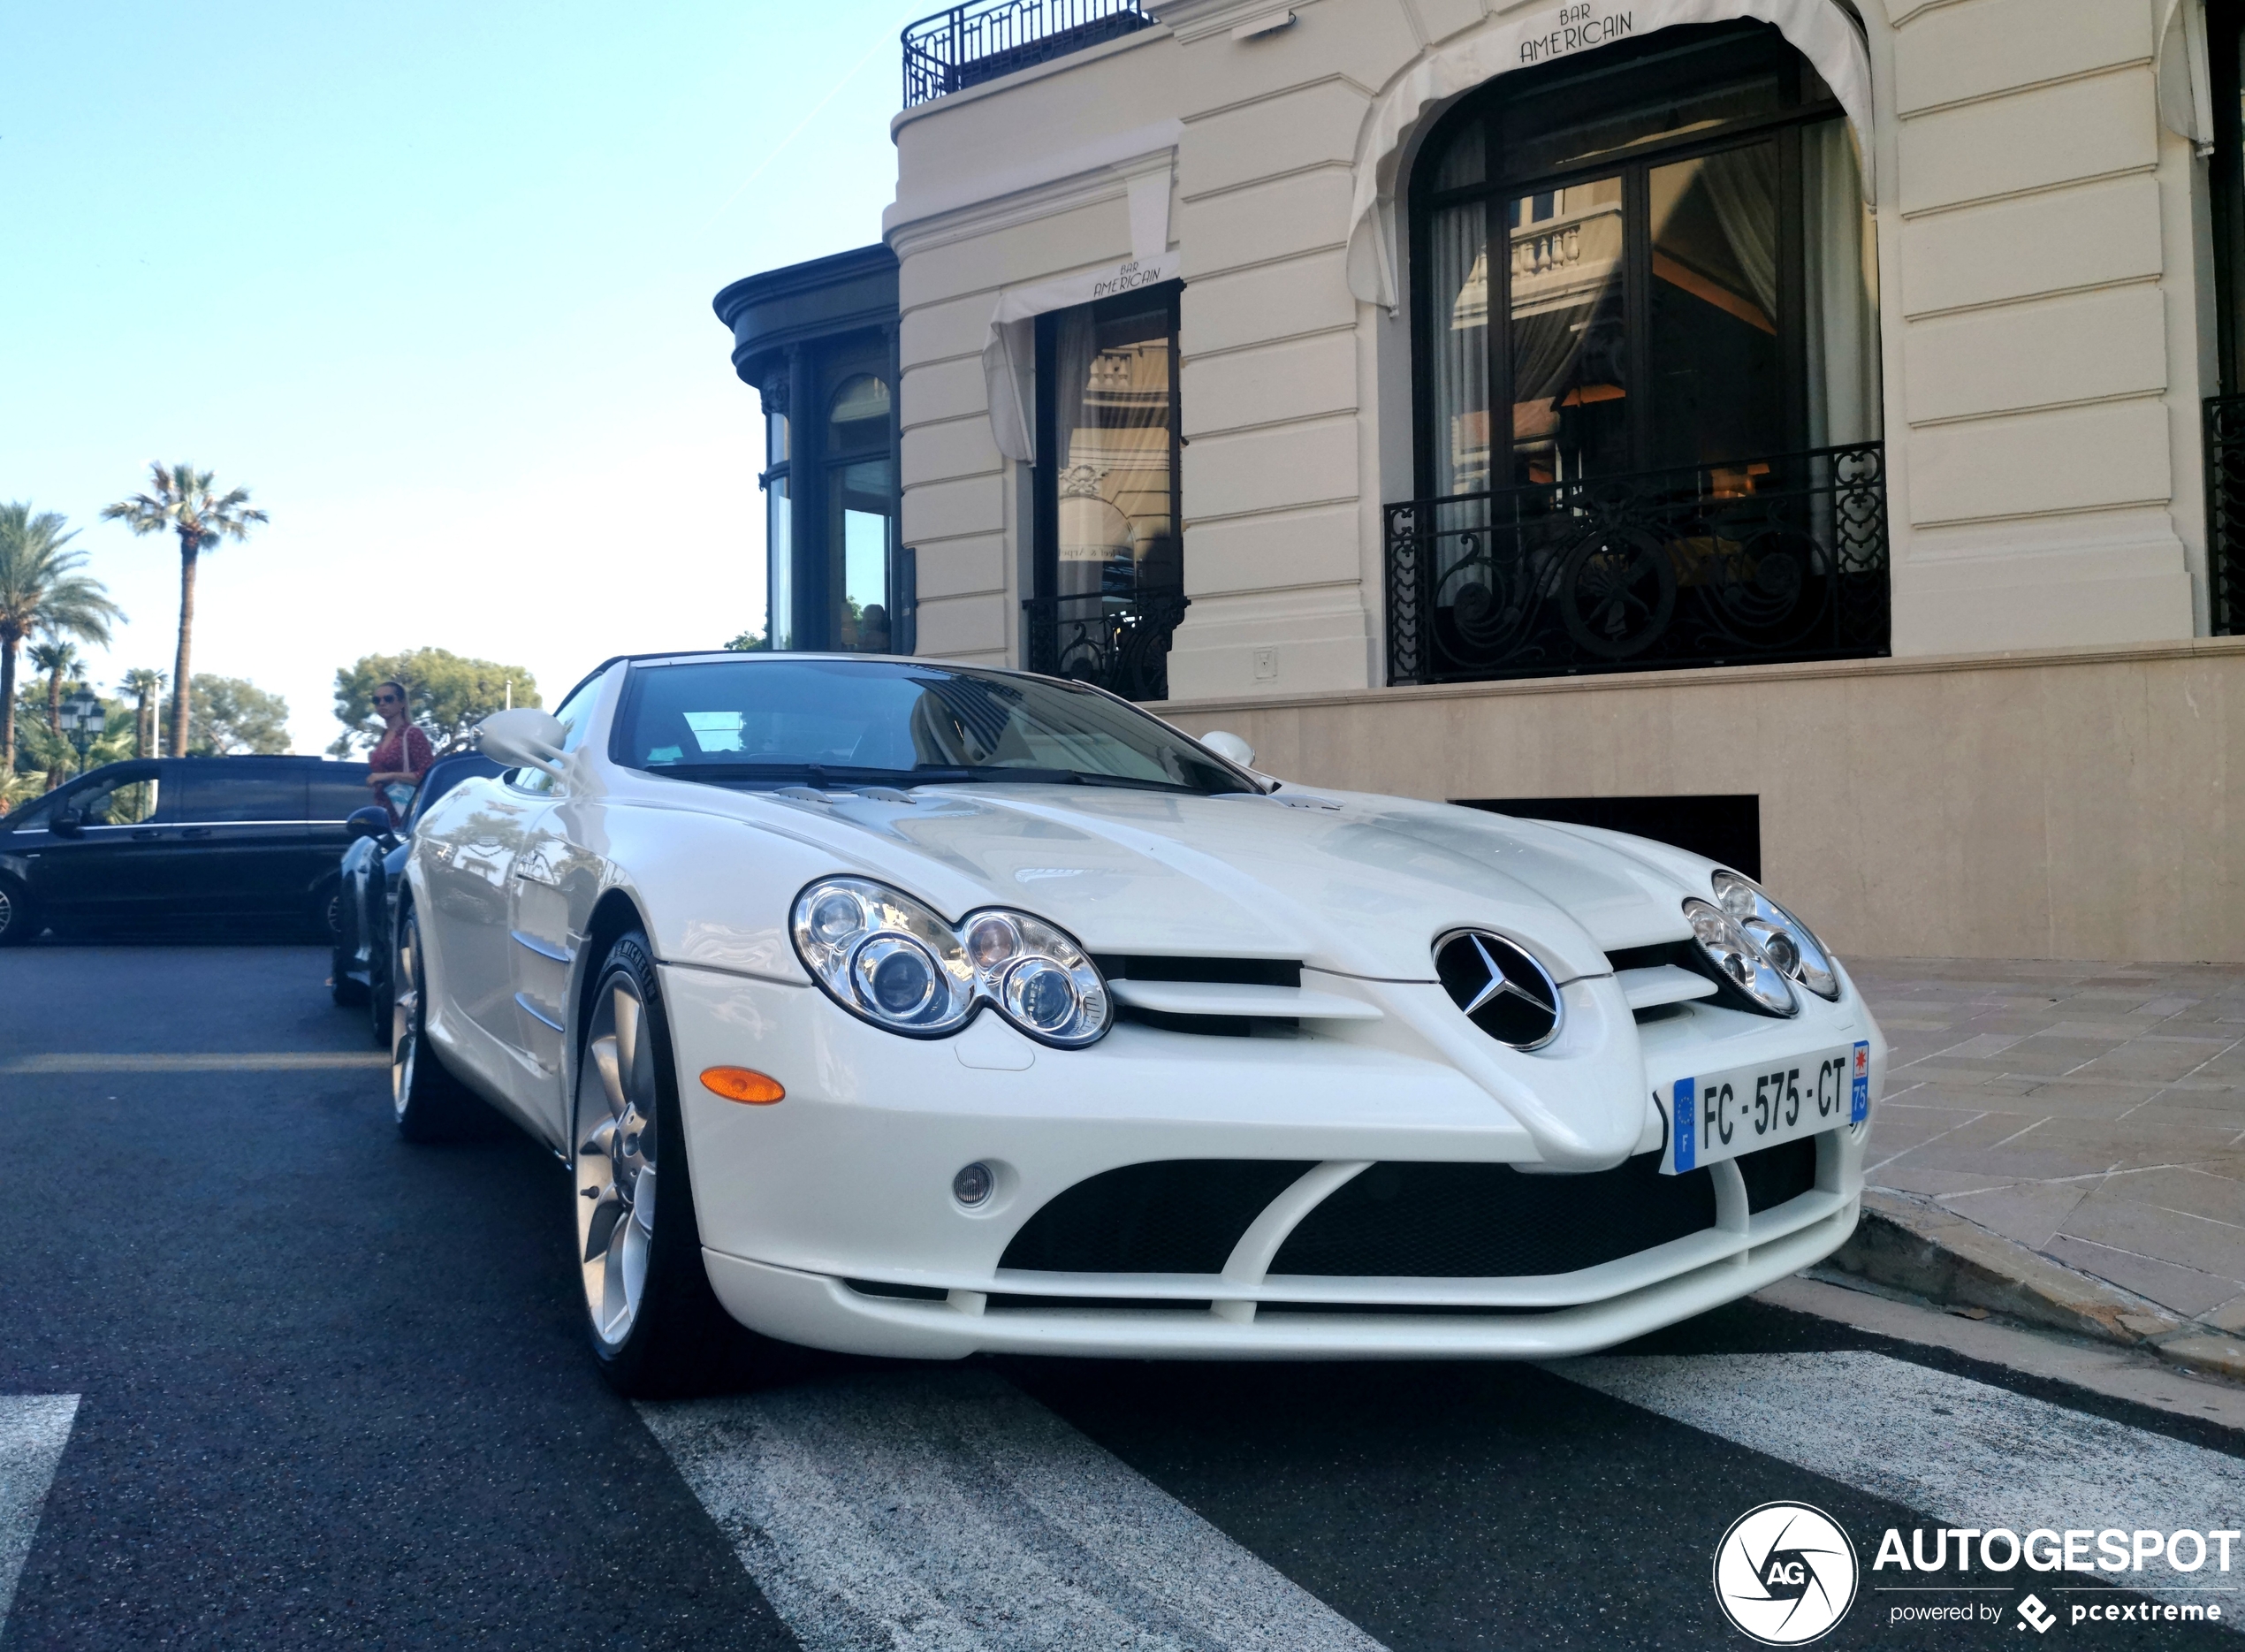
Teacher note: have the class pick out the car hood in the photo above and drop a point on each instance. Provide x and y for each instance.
(1352, 883)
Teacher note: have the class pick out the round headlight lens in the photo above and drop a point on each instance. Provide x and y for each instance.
(882, 955)
(1039, 978)
(1738, 959)
(1784, 939)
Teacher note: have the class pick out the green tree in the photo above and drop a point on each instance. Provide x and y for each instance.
(47, 755)
(58, 659)
(146, 686)
(41, 591)
(230, 715)
(183, 501)
(446, 694)
(749, 643)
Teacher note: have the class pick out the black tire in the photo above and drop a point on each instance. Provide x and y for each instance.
(325, 913)
(19, 917)
(379, 1010)
(678, 1339)
(348, 993)
(431, 1104)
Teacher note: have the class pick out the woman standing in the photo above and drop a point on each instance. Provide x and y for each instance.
(401, 758)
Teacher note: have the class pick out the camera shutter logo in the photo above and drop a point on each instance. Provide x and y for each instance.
(1784, 1573)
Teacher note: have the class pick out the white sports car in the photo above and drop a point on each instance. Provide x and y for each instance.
(964, 1010)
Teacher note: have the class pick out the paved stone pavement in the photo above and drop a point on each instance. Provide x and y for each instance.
(2093, 1112)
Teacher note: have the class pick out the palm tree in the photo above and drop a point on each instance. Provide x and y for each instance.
(145, 685)
(58, 659)
(181, 500)
(41, 591)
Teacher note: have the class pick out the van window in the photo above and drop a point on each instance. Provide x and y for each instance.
(219, 791)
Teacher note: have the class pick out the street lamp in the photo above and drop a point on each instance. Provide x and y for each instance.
(83, 718)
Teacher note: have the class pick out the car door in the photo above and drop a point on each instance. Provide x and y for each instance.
(473, 840)
(104, 856)
(242, 837)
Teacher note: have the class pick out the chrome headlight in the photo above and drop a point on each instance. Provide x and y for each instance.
(1784, 939)
(888, 959)
(1737, 959)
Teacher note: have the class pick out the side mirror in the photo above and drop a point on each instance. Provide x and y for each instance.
(67, 823)
(524, 738)
(1231, 748)
(372, 821)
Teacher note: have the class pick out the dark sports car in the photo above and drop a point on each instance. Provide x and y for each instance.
(367, 898)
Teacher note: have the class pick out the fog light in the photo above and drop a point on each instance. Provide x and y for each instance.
(974, 1184)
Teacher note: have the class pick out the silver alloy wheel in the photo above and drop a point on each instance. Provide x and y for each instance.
(7, 909)
(615, 1161)
(405, 1003)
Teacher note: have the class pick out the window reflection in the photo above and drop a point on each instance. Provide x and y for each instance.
(1569, 334)
(861, 506)
(1116, 512)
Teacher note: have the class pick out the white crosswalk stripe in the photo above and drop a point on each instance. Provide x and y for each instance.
(1962, 1452)
(33, 1429)
(950, 1512)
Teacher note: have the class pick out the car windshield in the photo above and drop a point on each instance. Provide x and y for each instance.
(781, 720)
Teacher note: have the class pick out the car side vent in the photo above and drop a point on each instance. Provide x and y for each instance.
(1682, 954)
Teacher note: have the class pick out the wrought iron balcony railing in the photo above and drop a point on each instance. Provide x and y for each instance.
(1782, 557)
(2226, 513)
(1116, 640)
(972, 43)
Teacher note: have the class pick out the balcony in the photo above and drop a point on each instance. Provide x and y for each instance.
(1116, 640)
(1764, 560)
(2226, 513)
(969, 44)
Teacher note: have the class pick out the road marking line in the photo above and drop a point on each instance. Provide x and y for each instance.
(1964, 1453)
(251, 1061)
(950, 1512)
(33, 1428)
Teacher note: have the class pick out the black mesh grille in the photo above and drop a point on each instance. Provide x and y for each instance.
(1489, 1220)
(1176, 1216)
(1775, 1174)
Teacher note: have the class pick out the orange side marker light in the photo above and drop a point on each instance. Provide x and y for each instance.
(743, 1084)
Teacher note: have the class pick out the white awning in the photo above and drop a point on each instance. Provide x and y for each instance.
(1818, 29)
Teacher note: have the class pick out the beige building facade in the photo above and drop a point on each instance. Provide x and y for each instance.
(1860, 362)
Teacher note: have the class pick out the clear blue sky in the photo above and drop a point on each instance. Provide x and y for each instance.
(434, 281)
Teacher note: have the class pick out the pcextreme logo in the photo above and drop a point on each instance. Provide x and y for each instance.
(1784, 1573)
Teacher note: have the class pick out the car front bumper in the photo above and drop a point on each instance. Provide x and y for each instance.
(828, 1220)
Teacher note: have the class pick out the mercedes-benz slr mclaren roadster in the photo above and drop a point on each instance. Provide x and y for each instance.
(955, 1011)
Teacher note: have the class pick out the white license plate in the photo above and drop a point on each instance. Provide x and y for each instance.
(1723, 1115)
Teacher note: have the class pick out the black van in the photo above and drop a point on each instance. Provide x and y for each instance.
(163, 841)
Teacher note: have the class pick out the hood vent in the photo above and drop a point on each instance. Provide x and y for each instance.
(1151, 968)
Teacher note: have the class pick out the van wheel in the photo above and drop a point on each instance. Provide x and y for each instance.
(18, 918)
(656, 1326)
(430, 1104)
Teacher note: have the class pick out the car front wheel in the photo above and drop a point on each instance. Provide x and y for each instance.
(657, 1327)
(17, 921)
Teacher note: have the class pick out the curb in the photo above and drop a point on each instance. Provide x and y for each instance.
(1913, 1246)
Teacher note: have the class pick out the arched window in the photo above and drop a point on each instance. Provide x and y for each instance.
(1682, 275)
(1650, 262)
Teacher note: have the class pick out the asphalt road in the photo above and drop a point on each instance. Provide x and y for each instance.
(295, 1382)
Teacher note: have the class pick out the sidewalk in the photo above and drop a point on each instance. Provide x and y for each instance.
(2086, 1115)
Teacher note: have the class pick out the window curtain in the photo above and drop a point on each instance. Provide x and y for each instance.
(1741, 186)
(1841, 269)
(1461, 341)
(1086, 533)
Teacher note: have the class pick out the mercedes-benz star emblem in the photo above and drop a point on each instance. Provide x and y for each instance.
(1504, 991)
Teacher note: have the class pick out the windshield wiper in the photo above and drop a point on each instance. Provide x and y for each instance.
(838, 775)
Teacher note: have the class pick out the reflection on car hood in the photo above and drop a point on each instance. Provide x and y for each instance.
(1354, 883)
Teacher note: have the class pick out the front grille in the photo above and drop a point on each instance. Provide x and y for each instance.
(1776, 1175)
(1173, 1216)
(1489, 1220)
